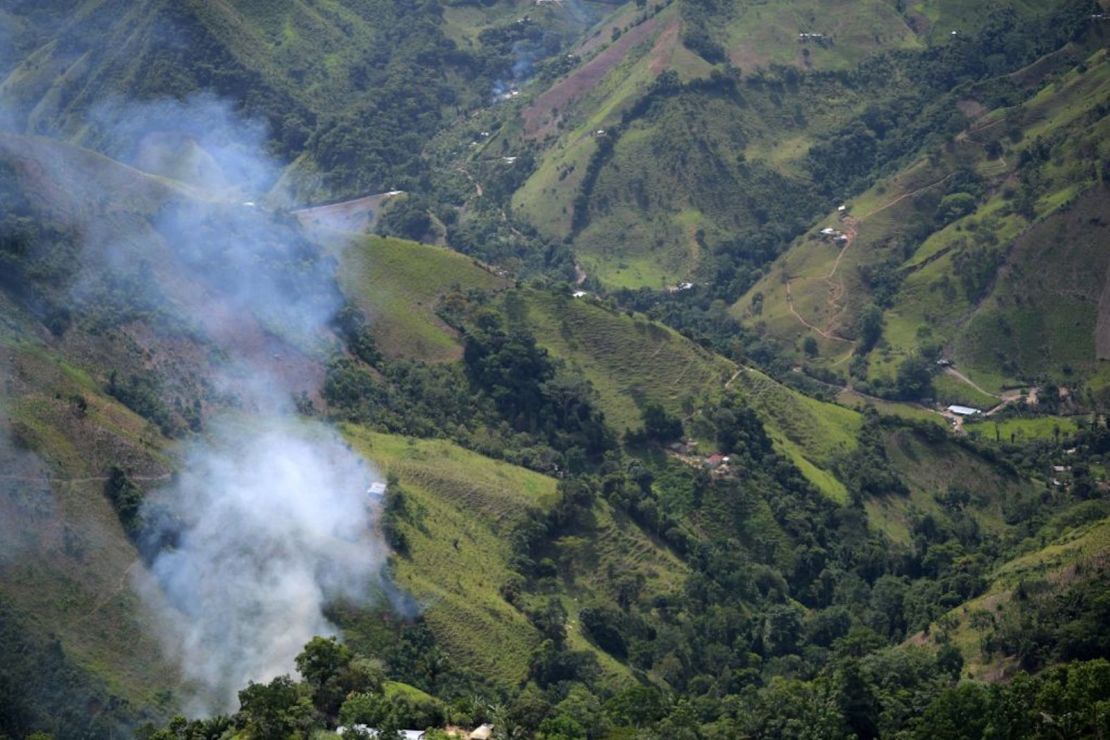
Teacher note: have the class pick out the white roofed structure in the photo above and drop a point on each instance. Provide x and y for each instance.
(374, 732)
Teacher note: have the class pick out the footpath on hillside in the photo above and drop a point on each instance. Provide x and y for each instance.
(838, 290)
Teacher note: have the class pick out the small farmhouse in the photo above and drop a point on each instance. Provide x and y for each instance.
(963, 410)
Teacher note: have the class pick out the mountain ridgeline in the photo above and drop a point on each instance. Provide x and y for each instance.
(668, 369)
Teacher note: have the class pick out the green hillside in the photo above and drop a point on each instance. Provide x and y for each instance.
(399, 284)
(424, 67)
(629, 360)
(460, 511)
(652, 345)
(463, 507)
(932, 469)
(1070, 563)
(632, 363)
(942, 278)
(693, 129)
(67, 563)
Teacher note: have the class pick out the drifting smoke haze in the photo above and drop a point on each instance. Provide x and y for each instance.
(268, 517)
(200, 140)
(267, 520)
(253, 264)
(24, 489)
(270, 525)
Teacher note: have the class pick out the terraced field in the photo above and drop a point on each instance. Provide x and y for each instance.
(462, 507)
(398, 284)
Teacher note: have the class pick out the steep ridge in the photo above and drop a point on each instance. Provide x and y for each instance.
(383, 64)
(924, 264)
(684, 96)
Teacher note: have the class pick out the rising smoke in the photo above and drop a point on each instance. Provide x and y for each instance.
(271, 524)
(267, 520)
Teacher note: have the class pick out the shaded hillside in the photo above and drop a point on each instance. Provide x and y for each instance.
(409, 69)
(66, 560)
(955, 254)
(718, 133)
(1037, 604)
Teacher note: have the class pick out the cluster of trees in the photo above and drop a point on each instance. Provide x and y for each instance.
(45, 692)
(419, 79)
(922, 114)
(336, 686)
(785, 584)
(508, 397)
(908, 692)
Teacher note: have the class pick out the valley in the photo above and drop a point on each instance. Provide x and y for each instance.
(569, 369)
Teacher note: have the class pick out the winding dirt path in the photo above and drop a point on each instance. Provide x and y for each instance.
(811, 327)
(968, 381)
(851, 231)
(838, 290)
(903, 196)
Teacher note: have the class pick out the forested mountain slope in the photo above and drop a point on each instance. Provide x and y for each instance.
(627, 447)
(350, 91)
(724, 130)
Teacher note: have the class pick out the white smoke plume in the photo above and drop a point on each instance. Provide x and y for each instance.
(267, 519)
(270, 524)
(200, 140)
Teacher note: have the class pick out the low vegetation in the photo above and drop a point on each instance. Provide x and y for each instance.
(656, 413)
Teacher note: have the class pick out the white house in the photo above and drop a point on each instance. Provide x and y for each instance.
(963, 410)
(363, 730)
